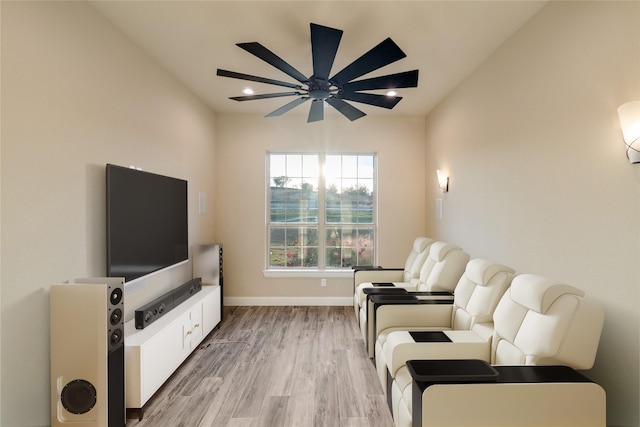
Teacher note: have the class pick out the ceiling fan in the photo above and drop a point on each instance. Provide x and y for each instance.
(336, 90)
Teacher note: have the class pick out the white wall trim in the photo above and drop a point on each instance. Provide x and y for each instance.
(286, 301)
(295, 272)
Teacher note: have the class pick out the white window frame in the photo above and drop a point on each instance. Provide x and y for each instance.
(321, 270)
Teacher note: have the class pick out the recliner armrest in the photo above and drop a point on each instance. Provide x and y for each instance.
(377, 275)
(416, 315)
(528, 395)
(384, 290)
(401, 347)
(366, 267)
(376, 302)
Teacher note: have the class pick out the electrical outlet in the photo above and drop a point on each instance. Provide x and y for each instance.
(323, 282)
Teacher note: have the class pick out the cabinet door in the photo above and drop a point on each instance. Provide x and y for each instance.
(159, 356)
(194, 334)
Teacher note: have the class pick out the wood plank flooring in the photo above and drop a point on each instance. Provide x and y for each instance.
(274, 367)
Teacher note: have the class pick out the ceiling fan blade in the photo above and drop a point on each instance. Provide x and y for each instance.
(391, 81)
(383, 54)
(347, 110)
(324, 46)
(316, 112)
(264, 96)
(383, 101)
(234, 75)
(271, 58)
(288, 107)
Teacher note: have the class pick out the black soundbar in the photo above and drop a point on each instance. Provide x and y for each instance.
(157, 308)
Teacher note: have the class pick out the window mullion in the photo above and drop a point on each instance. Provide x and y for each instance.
(321, 211)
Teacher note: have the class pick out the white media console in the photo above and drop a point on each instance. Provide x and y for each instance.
(152, 354)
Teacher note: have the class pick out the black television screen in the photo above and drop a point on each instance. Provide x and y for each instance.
(147, 222)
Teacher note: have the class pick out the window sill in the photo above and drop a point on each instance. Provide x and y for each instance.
(291, 273)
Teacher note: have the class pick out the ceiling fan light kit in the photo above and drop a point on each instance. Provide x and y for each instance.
(335, 91)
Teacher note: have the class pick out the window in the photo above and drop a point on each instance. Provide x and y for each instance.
(321, 210)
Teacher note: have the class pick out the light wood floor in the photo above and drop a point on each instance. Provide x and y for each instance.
(274, 367)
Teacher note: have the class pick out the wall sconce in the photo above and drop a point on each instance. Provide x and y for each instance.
(443, 181)
(629, 115)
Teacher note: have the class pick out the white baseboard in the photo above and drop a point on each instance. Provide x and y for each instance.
(282, 301)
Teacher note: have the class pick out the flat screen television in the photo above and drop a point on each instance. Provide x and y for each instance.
(147, 222)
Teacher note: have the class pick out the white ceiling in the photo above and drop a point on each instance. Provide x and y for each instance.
(445, 40)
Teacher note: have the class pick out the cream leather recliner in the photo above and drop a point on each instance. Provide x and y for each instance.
(439, 274)
(537, 322)
(475, 298)
(364, 277)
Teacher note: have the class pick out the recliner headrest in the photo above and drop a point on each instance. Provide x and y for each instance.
(421, 243)
(440, 249)
(481, 271)
(538, 293)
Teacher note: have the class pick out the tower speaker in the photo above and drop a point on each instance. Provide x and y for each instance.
(87, 353)
(208, 264)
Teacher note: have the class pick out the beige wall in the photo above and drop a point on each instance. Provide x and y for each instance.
(75, 96)
(241, 146)
(539, 178)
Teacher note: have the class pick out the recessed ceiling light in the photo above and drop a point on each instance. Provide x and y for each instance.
(248, 91)
(392, 93)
